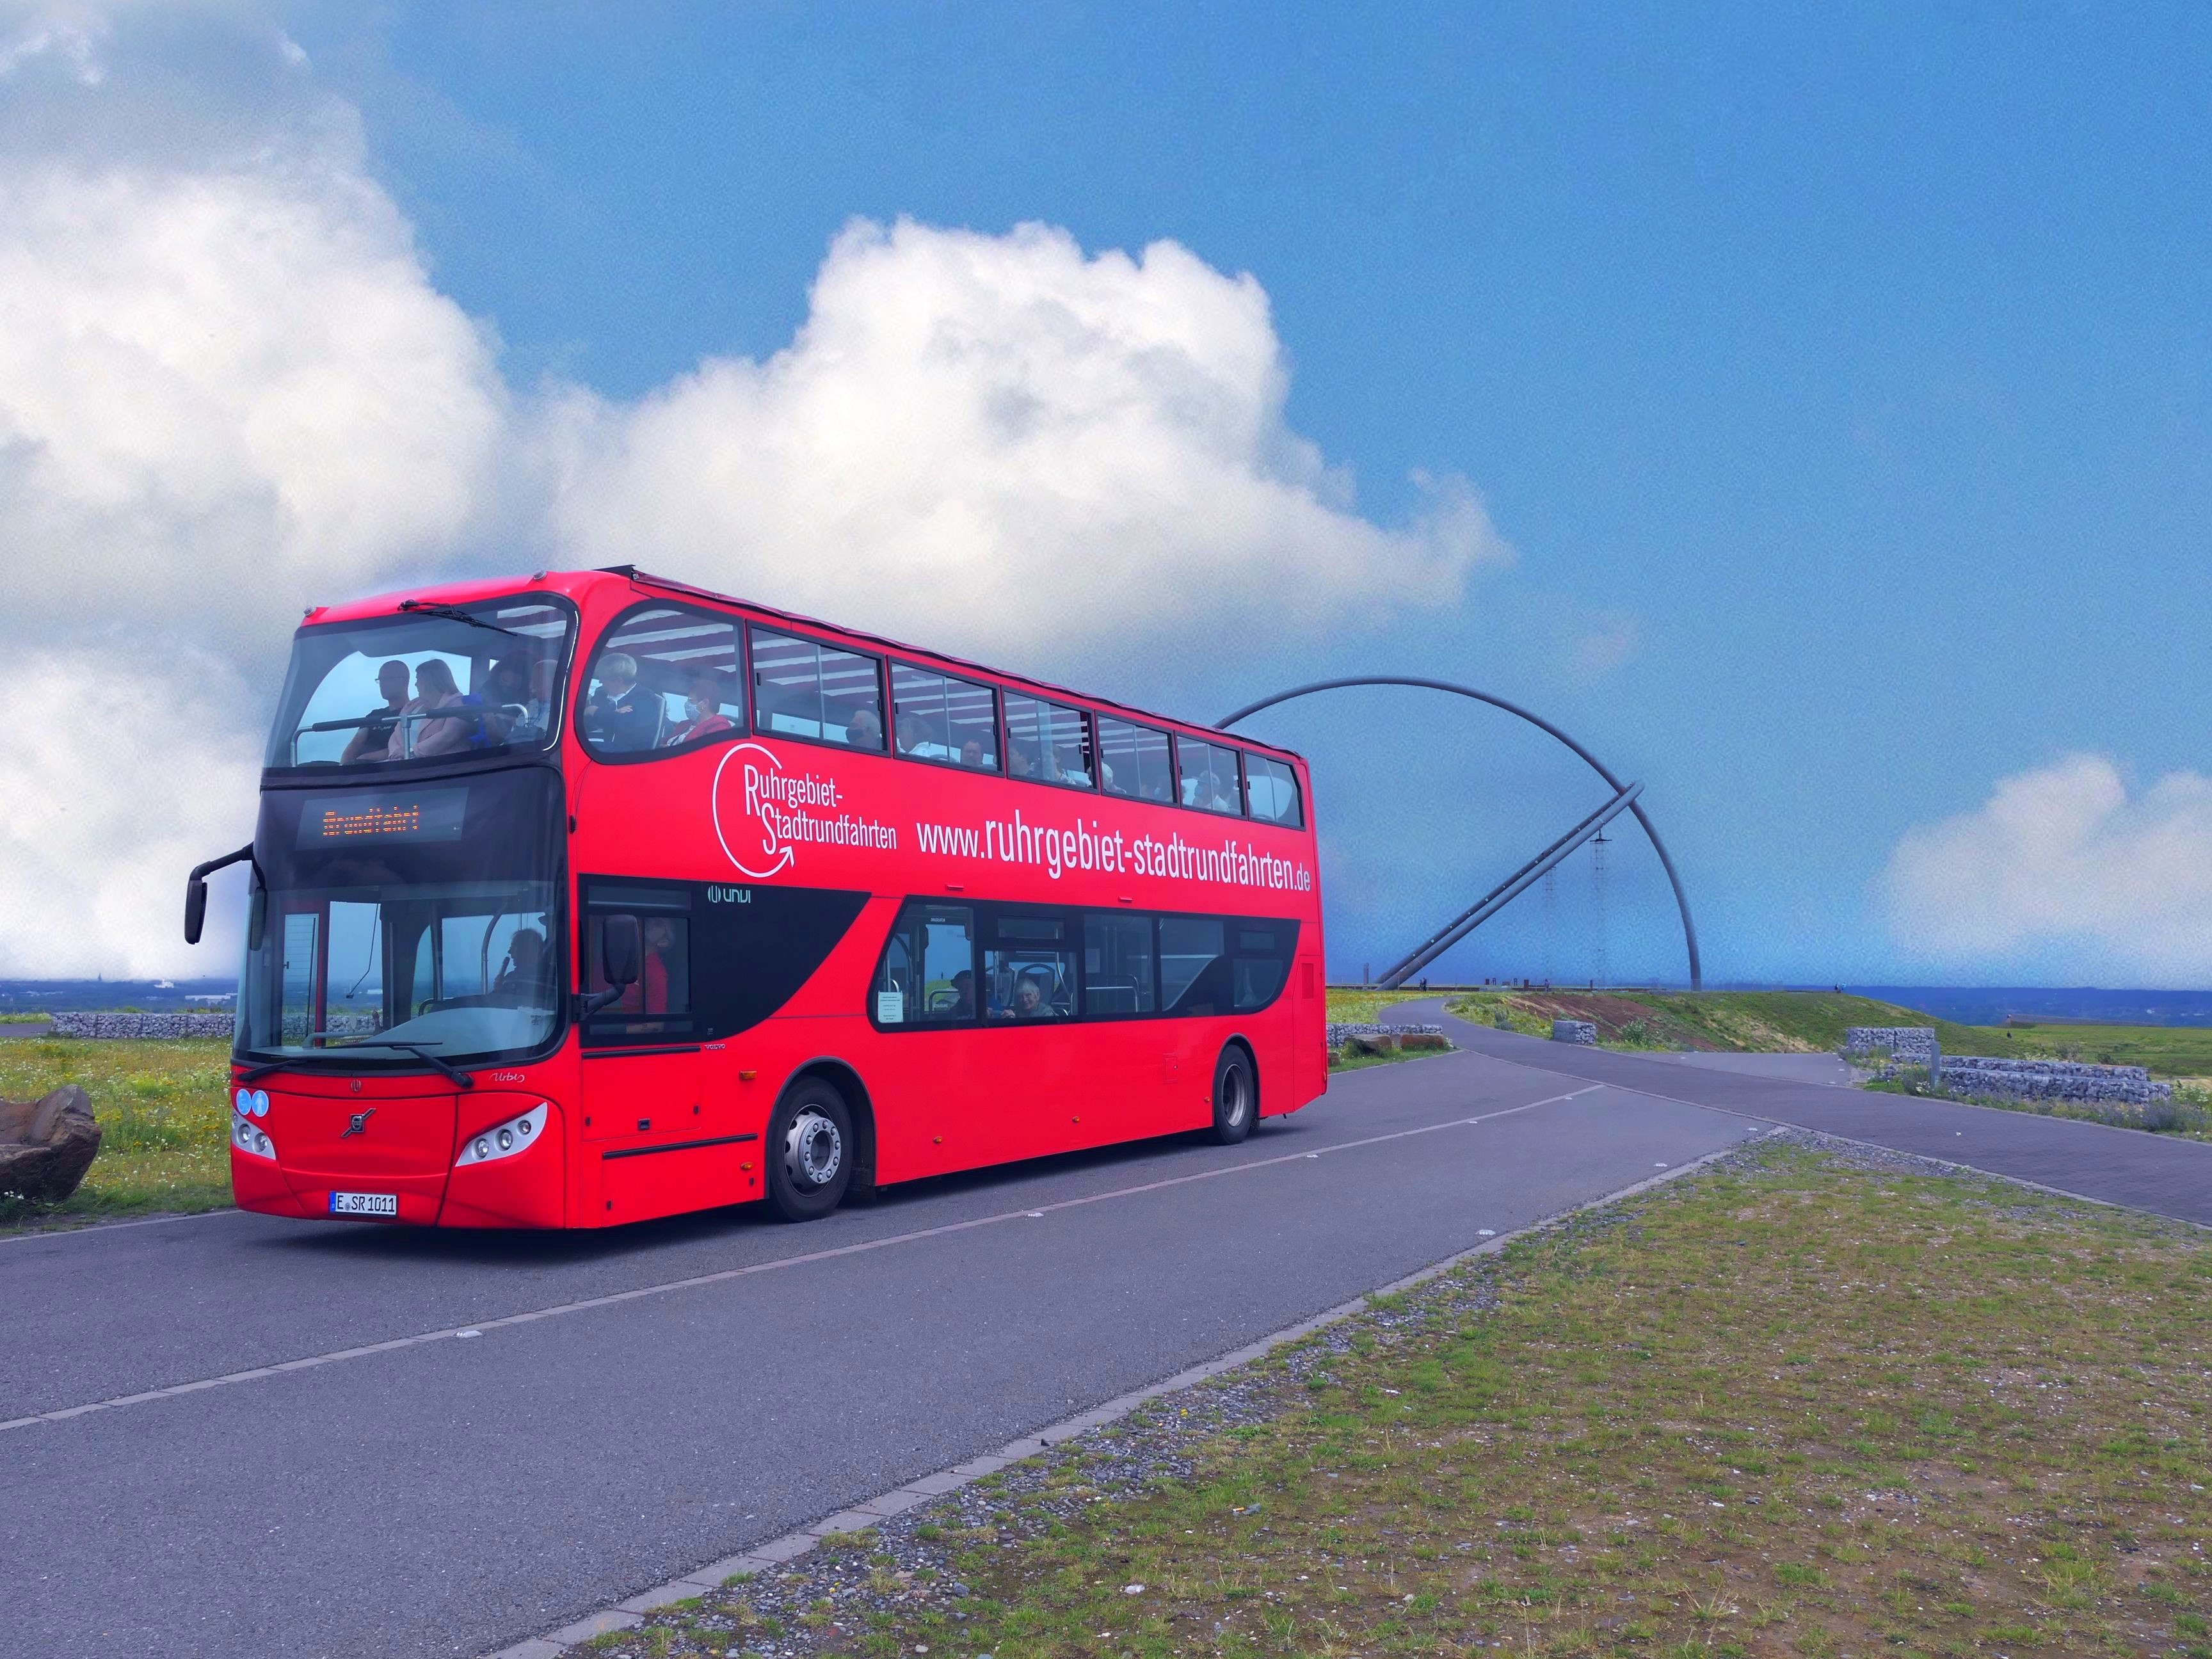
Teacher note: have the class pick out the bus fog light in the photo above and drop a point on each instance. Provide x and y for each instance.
(503, 1139)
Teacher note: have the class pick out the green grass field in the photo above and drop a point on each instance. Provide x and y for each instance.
(1800, 1407)
(165, 1123)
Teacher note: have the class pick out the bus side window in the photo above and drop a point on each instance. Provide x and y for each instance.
(1117, 965)
(1208, 775)
(1271, 788)
(1028, 969)
(1047, 742)
(663, 677)
(1262, 962)
(1194, 968)
(928, 973)
(1134, 761)
(804, 690)
(937, 718)
(659, 1002)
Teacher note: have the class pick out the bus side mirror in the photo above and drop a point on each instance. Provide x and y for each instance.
(622, 951)
(196, 889)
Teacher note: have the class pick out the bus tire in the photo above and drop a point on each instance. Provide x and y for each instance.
(809, 1151)
(1235, 1096)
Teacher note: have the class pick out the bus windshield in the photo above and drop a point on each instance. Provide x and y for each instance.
(389, 920)
(453, 680)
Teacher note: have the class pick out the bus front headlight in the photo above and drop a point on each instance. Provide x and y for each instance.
(504, 1139)
(245, 1134)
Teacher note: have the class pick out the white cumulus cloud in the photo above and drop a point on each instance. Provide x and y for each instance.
(226, 385)
(2062, 866)
(1000, 442)
(115, 780)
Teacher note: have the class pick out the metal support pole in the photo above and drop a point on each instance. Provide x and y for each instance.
(1507, 890)
(1681, 899)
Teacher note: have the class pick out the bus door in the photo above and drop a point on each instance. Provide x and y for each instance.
(1049, 1099)
(925, 991)
(645, 1118)
(1132, 1058)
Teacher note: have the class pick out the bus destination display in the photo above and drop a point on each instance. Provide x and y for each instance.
(415, 815)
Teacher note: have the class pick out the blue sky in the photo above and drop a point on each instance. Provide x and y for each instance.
(1839, 383)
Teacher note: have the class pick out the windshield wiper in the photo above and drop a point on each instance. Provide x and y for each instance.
(420, 1050)
(454, 613)
(298, 1062)
(253, 1073)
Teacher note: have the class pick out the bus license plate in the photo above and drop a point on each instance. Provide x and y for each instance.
(386, 1203)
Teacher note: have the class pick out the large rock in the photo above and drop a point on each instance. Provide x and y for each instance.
(46, 1145)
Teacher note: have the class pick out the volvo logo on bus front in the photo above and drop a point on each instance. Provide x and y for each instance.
(358, 1123)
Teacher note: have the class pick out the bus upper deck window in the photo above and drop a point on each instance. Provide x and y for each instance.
(802, 688)
(1047, 742)
(665, 676)
(1271, 788)
(938, 718)
(1133, 761)
(358, 694)
(1208, 775)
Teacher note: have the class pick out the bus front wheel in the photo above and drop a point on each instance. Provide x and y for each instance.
(810, 1152)
(1235, 1096)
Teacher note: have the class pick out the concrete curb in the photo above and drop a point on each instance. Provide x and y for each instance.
(625, 1614)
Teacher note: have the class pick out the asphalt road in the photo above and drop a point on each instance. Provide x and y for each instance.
(343, 1472)
(452, 1495)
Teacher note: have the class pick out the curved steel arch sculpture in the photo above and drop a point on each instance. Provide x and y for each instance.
(1681, 900)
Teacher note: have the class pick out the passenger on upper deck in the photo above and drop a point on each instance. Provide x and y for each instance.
(372, 737)
(703, 709)
(508, 693)
(864, 730)
(539, 707)
(619, 716)
(433, 690)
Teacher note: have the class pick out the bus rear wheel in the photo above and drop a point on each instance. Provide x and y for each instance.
(1235, 1096)
(810, 1152)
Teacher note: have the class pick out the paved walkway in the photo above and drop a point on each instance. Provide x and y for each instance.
(2163, 1174)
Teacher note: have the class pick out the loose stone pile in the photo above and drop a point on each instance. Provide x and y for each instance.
(2051, 1079)
(1583, 1031)
(143, 1025)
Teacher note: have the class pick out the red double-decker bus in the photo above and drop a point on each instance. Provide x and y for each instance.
(597, 897)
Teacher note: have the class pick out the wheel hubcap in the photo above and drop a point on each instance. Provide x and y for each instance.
(812, 1149)
(1232, 1097)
